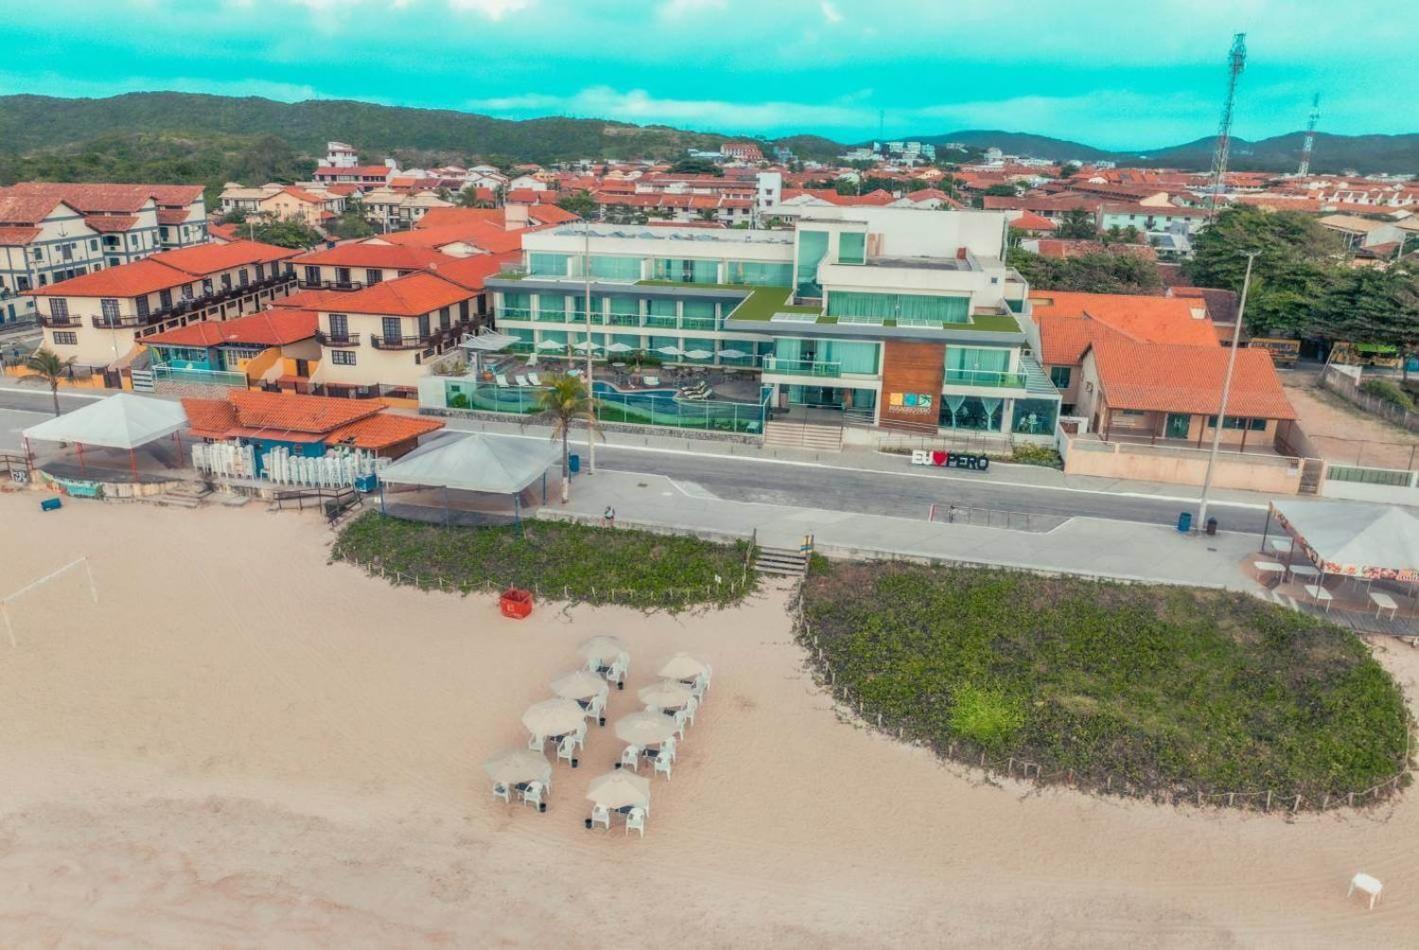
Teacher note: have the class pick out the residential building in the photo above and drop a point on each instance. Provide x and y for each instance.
(886, 317)
(340, 155)
(134, 220)
(43, 241)
(1153, 220)
(238, 197)
(101, 318)
(364, 175)
(356, 266)
(748, 152)
(1358, 233)
(290, 203)
(275, 346)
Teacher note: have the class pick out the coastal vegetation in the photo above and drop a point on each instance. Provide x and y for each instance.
(1176, 693)
(557, 560)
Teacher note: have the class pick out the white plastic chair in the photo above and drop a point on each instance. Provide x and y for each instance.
(597, 709)
(600, 816)
(537, 743)
(534, 379)
(1365, 884)
(692, 707)
(662, 764)
(624, 659)
(631, 756)
(698, 689)
(617, 674)
(500, 791)
(532, 795)
(670, 748)
(521, 380)
(682, 721)
(566, 749)
(501, 380)
(635, 820)
(579, 737)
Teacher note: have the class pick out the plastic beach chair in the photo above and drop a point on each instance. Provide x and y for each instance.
(501, 380)
(566, 749)
(600, 816)
(532, 795)
(500, 791)
(635, 820)
(662, 764)
(521, 380)
(631, 756)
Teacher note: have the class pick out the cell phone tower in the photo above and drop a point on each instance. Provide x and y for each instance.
(1310, 143)
(1236, 62)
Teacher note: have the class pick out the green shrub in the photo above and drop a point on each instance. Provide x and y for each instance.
(1388, 391)
(1029, 454)
(988, 717)
(458, 401)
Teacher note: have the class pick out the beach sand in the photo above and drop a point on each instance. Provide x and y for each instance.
(242, 745)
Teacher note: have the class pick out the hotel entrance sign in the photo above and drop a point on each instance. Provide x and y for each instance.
(974, 463)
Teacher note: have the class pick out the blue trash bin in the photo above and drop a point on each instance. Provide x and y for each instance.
(1185, 522)
(366, 483)
(574, 463)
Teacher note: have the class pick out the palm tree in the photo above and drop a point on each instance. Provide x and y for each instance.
(48, 366)
(564, 401)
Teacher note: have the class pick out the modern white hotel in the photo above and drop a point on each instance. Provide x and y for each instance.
(889, 317)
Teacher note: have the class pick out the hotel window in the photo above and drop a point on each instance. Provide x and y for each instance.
(142, 304)
(165, 299)
(339, 326)
(1059, 375)
(547, 265)
(392, 329)
(615, 268)
(1238, 422)
(186, 291)
(916, 310)
(206, 286)
(423, 326)
(66, 338)
(312, 274)
(243, 277)
(373, 275)
(812, 248)
(445, 318)
(852, 247)
(685, 270)
(108, 307)
(260, 271)
(226, 281)
(94, 244)
(342, 357)
(58, 308)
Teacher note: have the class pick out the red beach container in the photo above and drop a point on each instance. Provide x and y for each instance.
(515, 603)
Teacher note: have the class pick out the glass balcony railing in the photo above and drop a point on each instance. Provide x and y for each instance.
(774, 364)
(985, 377)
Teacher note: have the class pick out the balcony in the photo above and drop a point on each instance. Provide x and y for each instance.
(983, 377)
(118, 323)
(783, 367)
(343, 339)
(60, 322)
(402, 342)
(345, 284)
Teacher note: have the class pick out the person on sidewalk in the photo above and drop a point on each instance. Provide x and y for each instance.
(608, 517)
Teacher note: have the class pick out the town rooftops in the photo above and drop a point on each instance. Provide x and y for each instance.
(290, 417)
(267, 328)
(1162, 378)
(24, 210)
(1141, 319)
(358, 171)
(106, 197)
(165, 271)
(390, 256)
(405, 297)
(1029, 221)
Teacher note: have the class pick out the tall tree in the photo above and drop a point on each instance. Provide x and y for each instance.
(581, 203)
(563, 403)
(49, 367)
(1076, 223)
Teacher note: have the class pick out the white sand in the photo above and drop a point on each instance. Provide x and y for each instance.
(244, 746)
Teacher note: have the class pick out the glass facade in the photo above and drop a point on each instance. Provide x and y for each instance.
(517, 306)
(685, 270)
(812, 248)
(1059, 375)
(976, 413)
(758, 274)
(1035, 416)
(906, 309)
(852, 247)
(547, 265)
(609, 267)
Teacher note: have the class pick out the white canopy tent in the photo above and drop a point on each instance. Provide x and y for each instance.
(477, 463)
(122, 421)
(1352, 539)
(485, 341)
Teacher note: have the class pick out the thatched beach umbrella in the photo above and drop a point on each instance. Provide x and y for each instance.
(667, 694)
(602, 649)
(522, 765)
(553, 717)
(645, 728)
(619, 789)
(683, 666)
(579, 685)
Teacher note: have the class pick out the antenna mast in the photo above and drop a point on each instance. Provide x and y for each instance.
(1310, 145)
(1236, 62)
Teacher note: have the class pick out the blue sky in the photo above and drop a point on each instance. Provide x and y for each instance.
(1115, 74)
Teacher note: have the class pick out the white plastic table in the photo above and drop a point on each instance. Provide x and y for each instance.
(1384, 602)
(1305, 570)
(1279, 545)
(1321, 595)
(1270, 567)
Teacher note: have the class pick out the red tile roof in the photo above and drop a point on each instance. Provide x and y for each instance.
(385, 256)
(359, 171)
(1154, 378)
(1141, 318)
(166, 270)
(1077, 247)
(225, 232)
(311, 299)
(382, 431)
(1063, 340)
(1029, 221)
(20, 209)
(109, 197)
(171, 216)
(292, 417)
(12, 236)
(406, 297)
(109, 223)
(267, 328)
(438, 217)
(203, 259)
(470, 272)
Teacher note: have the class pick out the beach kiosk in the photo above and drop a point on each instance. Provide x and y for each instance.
(473, 463)
(122, 421)
(1361, 541)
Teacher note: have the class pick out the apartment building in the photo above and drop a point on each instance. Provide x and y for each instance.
(357, 266)
(42, 241)
(887, 317)
(102, 318)
(134, 220)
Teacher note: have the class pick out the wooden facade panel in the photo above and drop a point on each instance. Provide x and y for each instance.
(912, 370)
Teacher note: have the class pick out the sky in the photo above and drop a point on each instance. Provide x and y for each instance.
(1111, 74)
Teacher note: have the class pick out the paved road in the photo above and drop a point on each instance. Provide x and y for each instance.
(907, 494)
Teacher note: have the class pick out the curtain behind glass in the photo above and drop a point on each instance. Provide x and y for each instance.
(812, 246)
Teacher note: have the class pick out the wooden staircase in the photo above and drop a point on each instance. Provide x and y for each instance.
(788, 562)
(804, 435)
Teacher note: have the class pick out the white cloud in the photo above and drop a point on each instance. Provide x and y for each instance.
(830, 12)
(492, 9)
(676, 9)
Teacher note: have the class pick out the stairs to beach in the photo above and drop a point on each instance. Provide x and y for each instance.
(804, 435)
(783, 561)
(184, 495)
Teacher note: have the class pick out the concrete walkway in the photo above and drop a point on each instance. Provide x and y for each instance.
(1085, 546)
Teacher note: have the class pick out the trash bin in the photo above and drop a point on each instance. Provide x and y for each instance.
(574, 463)
(1185, 522)
(515, 603)
(1211, 525)
(366, 483)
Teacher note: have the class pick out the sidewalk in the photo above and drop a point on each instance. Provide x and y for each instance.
(1084, 546)
(861, 459)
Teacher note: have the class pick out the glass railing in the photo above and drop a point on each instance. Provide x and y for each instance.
(659, 408)
(985, 377)
(698, 323)
(515, 313)
(774, 364)
(660, 321)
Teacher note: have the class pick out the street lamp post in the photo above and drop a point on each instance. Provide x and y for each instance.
(1226, 392)
(591, 405)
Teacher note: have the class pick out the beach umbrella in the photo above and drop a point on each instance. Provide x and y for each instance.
(645, 728)
(732, 354)
(553, 717)
(579, 685)
(551, 345)
(670, 350)
(619, 789)
(603, 649)
(699, 354)
(619, 348)
(683, 666)
(522, 765)
(531, 360)
(583, 345)
(667, 694)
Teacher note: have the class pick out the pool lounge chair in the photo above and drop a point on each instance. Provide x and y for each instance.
(501, 380)
(534, 379)
(651, 381)
(521, 380)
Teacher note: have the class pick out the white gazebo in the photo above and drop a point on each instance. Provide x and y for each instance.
(474, 463)
(121, 421)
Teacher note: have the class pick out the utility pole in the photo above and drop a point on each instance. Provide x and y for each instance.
(590, 393)
(1310, 142)
(1236, 62)
(1226, 392)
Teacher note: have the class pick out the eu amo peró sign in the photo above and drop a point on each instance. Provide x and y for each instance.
(975, 463)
